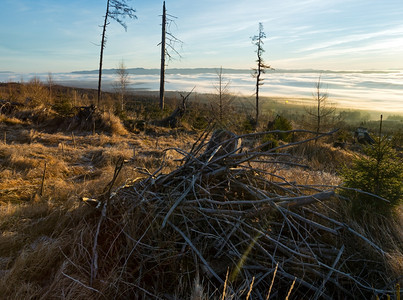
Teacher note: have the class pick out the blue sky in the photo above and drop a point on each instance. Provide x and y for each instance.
(61, 36)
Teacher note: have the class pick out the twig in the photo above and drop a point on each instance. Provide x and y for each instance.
(289, 292)
(225, 285)
(108, 188)
(250, 288)
(305, 200)
(178, 201)
(349, 229)
(80, 283)
(312, 223)
(320, 291)
(189, 242)
(43, 180)
(272, 282)
(94, 258)
(364, 192)
(74, 140)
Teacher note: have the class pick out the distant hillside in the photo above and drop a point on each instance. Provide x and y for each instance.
(191, 71)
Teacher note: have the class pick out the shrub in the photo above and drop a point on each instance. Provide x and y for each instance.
(279, 123)
(63, 105)
(111, 123)
(248, 125)
(378, 172)
(200, 122)
(271, 141)
(397, 139)
(283, 124)
(35, 92)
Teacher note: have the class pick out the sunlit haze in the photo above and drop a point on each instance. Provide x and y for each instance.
(63, 36)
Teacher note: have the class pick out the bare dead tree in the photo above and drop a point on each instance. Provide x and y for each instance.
(116, 10)
(321, 115)
(121, 83)
(257, 40)
(50, 85)
(163, 42)
(168, 43)
(222, 99)
(173, 120)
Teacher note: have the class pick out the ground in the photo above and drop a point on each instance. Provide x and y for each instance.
(46, 172)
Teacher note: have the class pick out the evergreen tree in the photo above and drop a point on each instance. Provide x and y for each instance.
(378, 172)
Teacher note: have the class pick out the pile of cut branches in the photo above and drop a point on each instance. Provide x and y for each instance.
(219, 226)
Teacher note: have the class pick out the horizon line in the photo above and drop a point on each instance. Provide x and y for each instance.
(280, 70)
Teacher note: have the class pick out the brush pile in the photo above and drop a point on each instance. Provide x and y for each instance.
(218, 226)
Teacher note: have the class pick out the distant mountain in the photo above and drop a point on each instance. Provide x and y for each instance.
(185, 71)
(192, 71)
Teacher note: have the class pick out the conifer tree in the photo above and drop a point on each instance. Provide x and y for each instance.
(380, 172)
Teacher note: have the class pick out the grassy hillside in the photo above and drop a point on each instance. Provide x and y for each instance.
(105, 204)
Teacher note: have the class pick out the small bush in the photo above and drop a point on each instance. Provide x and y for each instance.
(35, 92)
(378, 172)
(63, 106)
(279, 123)
(200, 122)
(112, 124)
(397, 139)
(271, 141)
(283, 124)
(248, 125)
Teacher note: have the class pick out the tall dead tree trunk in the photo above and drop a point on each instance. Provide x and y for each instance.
(168, 42)
(258, 83)
(223, 97)
(162, 75)
(116, 10)
(261, 67)
(322, 115)
(102, 52)
(50, 85)
(220, 94)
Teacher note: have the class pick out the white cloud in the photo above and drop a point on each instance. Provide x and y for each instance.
(354, 38)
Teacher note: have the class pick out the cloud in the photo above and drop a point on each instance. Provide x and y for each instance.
(382, 91)
(384, 46)
(354, 38)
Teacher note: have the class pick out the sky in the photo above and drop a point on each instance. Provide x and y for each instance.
(64, 35)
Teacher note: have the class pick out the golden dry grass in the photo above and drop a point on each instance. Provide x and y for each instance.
(9, 120)
(38, 230)
(46, 240)
(113, 122)
(321, 156)
(76, 165)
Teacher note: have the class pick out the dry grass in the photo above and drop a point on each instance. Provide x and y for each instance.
(47, 242)
(38, 231)
(114, 123)
(10, 120)
(321, 156)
